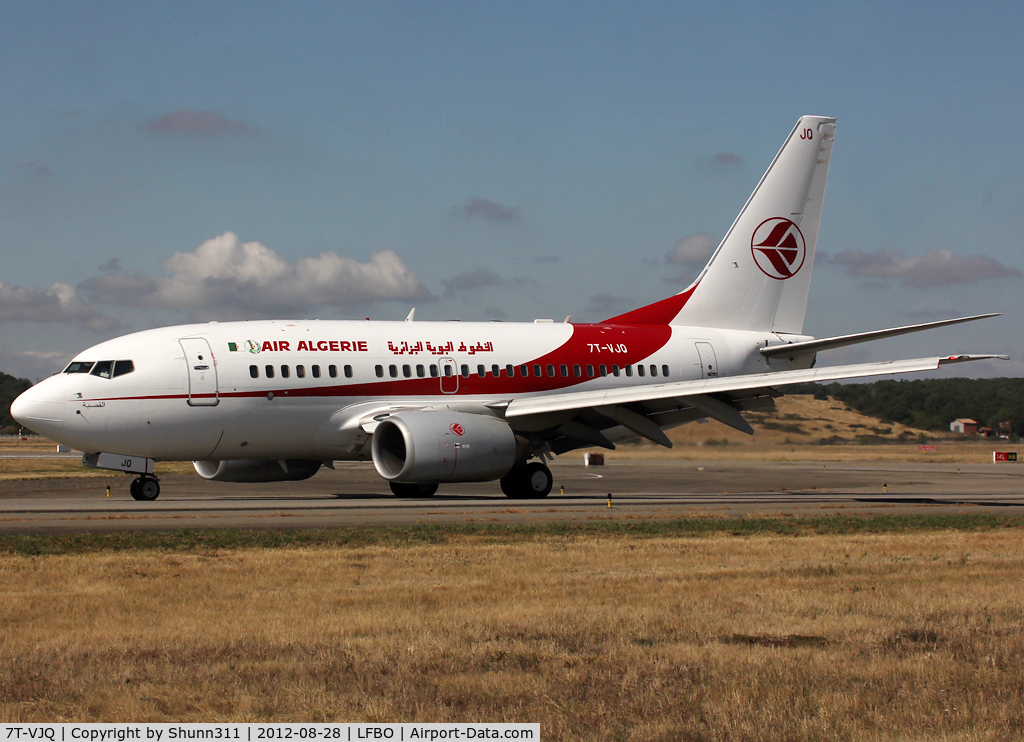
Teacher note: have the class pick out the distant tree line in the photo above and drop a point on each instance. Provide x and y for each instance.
(10, 388)
(931, 404)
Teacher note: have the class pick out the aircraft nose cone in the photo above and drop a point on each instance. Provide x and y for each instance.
(41, 408)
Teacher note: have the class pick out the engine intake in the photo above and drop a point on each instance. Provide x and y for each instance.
(431, 446)
(257, 470)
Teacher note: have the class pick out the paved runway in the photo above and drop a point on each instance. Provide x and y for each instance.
(354, 495)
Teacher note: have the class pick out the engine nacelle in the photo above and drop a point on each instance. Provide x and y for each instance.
(257, 470)
(429, 446)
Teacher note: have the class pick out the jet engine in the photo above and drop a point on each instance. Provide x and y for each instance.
(434, 446)
(257, 470)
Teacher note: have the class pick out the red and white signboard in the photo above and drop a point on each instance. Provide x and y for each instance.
(1000, 456)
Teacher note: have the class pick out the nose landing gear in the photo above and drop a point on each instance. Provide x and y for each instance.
(145, 488)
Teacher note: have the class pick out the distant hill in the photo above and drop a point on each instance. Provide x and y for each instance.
(930, 404)
(10, 388)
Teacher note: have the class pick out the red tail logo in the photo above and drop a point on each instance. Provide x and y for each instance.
(778, 248)
(456, 428)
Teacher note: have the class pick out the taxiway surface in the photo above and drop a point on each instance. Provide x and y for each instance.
(353, 495)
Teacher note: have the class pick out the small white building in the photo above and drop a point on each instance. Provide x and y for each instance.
(964, 426)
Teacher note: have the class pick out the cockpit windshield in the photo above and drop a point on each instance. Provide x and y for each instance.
(103, 369)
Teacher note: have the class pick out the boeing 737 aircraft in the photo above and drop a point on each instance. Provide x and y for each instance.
(437, 402)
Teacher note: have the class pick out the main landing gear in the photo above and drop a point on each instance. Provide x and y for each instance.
(145, 488)
(413, 489)
(532, 481)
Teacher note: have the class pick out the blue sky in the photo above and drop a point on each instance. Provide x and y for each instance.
(168, 161)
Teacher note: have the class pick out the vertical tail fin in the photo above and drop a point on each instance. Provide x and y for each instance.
(759, 276)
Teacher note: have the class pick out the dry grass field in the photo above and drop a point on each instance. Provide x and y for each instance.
(806, 429)
(915, 635)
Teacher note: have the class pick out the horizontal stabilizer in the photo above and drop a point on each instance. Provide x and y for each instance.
(792, 350)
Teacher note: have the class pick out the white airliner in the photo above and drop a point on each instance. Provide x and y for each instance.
(436, 402)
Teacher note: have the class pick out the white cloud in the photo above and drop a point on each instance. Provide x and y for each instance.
(227, 278)
(694, 250)
(607, 304)
(195, 123)
(472, 279)
(33, 365)
(491, 211)
(727, 158)
(934, 268)
(479, 278)
(58, 303)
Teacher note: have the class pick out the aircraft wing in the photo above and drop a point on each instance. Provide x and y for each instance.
(645, 409)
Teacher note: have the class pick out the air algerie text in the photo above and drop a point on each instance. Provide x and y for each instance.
(314, 345)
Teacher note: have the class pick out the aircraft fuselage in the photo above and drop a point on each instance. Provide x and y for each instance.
(296, 389)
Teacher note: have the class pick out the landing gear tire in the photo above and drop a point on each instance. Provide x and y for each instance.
(413, 489)
(145, 489)
(530, 482)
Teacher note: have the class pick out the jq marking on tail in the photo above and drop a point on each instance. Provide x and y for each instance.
(780, 253)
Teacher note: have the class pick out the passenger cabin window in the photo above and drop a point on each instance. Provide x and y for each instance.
(564, 370)
(433, 370)
(393, 371)
(407, 371)
(629, 370)
(332, 371)
(496, 370)
(664, 371)
(603, 369)
(421, 370)
(254, 372)
(576, 370)
(465, 370)
(270, 371)
(615, 369)
(510, 370)
(639, 369)
(79, 367)
(654, 370)
(316, 371)
(536, 369)
(590, 369)
(348, 371)
(551, 370)
(123, 367)
(300, 371)
(379, 370)
(103, 369)
(285, 373)
(481, 371)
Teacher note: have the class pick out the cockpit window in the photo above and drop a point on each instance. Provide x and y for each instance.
(103, 369)
(79, 367)
(123, 367)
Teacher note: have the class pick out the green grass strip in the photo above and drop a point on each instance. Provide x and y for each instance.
(226, 539)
